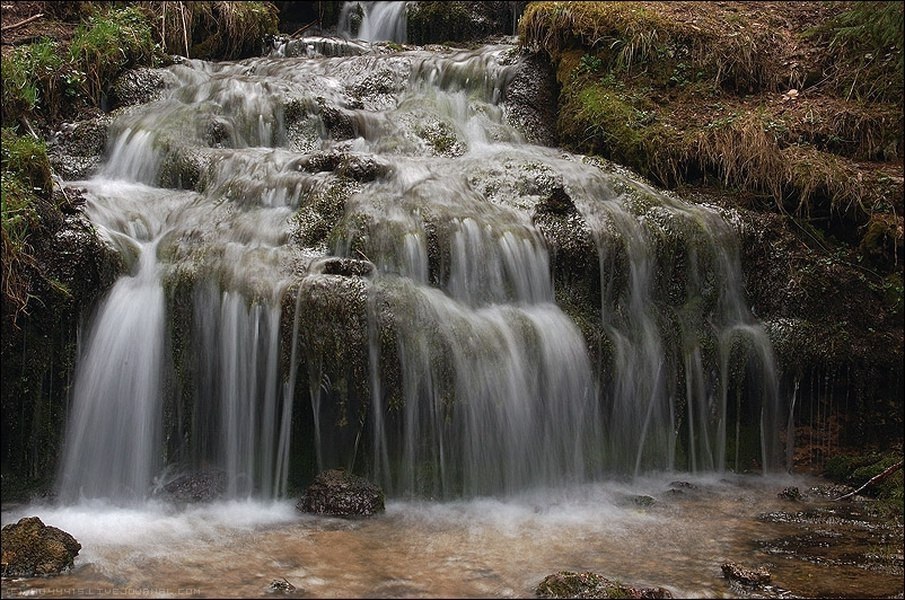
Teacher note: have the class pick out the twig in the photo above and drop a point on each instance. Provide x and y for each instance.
(21, 23)
(875, 479)
(304, 27)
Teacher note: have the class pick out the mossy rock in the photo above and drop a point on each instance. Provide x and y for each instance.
(32, 549)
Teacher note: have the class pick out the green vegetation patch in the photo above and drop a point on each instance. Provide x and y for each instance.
(26, 204)
(107, 44)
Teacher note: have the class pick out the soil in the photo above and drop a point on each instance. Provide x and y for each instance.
(17, 32)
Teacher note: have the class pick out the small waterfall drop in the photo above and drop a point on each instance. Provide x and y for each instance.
(377, 21)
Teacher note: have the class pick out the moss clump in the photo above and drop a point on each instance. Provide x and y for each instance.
(48, 80)
(441, 22)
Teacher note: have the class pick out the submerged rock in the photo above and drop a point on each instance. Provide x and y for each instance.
(281, 586)
(790, 493)
(745, 576)
(341, 494)
(32, 549)
(567, 584)
(203, 486)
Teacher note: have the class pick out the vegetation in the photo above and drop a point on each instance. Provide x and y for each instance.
(213, 30)
(26, 207)
(804, 117)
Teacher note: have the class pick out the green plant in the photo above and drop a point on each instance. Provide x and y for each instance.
(32, 80)
(26, 185)
(108, 43)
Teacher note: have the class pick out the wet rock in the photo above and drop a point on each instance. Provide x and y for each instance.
(342, 494)
(558, 203)
(567, 584)
(76, 150)
(682, 485)
(347, 267)
(643, 500)
(744, 575)
(32, 549)
(340, 124)
(203, 486)
(137, 86)
(790, 493)
(281, 586)
(362, 168)
(530, 100)
(442, 22)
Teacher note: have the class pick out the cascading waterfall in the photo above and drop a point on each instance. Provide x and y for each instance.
(478, 378)
(378, 21)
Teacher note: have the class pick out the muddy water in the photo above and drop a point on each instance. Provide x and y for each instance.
(478, 548)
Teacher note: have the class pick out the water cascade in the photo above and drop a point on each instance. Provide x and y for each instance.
(376, 21)
(356, 260)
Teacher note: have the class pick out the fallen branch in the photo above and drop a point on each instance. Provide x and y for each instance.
(21, 23)
(875, 479)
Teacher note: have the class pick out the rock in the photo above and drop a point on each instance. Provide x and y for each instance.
(558, 203)
(347, 267)
(32, 549)
(203, 486)
(790, 493)
(281, 586)
(567, 584)
(744, 575)
(138, 86)
(342, 494)
(531, 99)
(642, 500)
(682, 485)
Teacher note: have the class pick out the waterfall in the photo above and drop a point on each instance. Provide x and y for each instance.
(378, 21)
(449, 355)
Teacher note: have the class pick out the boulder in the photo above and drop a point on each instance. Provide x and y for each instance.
(341, 494)
(32, 549)
(567, 584)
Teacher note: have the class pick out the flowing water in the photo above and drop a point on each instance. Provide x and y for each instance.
(483, 547)
(454, 365)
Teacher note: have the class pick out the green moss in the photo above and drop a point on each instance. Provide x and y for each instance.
(599, 119)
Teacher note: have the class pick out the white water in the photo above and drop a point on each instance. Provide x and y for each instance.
(380, 21)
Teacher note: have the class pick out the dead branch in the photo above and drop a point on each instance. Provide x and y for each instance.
(21, 23)
(875, 479)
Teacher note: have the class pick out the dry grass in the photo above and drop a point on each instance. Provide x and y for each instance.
(689, 93)
(226, 30)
